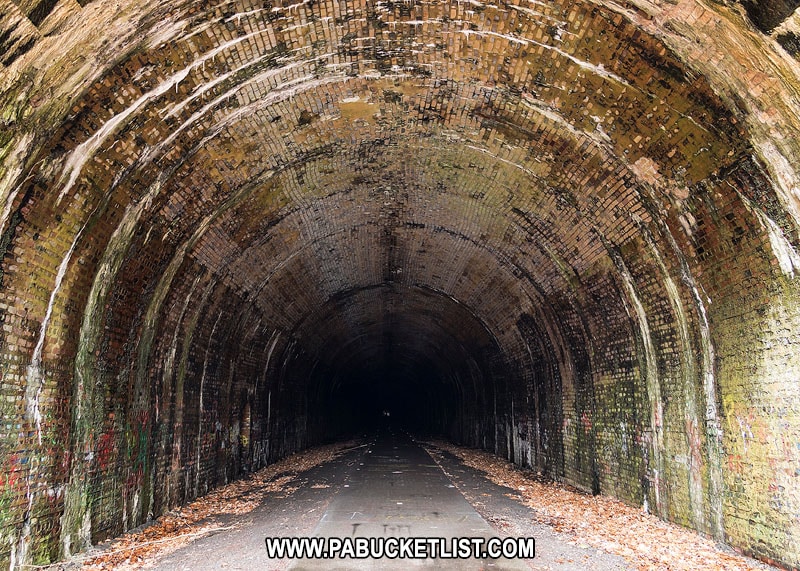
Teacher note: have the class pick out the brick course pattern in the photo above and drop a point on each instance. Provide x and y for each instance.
(565, 232)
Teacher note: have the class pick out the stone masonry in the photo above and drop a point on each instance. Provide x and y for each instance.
(566, 232)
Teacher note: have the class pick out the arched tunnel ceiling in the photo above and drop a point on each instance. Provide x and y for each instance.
(441, 117)
(570, 204)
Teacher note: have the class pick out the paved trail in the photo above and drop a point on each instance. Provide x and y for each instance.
(389, 488)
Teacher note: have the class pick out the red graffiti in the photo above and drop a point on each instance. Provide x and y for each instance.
(12, 477)
(586, 421)
(105, 449)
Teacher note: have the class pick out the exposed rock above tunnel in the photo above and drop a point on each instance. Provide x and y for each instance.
(568, 231)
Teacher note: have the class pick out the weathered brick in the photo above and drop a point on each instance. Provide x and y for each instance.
(559, 232)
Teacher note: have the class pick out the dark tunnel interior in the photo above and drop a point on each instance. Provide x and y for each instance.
(418, 360)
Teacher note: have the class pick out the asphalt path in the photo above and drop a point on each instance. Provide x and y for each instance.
(389, 487)
(397, 491)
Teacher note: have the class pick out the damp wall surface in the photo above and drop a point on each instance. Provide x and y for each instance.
(565, 233)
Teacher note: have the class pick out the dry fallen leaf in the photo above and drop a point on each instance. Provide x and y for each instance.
(181, 526)
(643, 539)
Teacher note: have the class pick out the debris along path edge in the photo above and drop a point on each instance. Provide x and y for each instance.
(226, 529)
(301, 488)
(397, 491)
(516, 500)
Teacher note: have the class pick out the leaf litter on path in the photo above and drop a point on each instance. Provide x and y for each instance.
(644, 540)
(181, 526)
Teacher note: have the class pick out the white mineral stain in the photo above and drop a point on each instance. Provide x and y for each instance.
(34, 370)
(597, 69)
(788, 259)
(86, 150)
(13, 165)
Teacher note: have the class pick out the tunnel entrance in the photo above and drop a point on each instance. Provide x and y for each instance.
(564, 232)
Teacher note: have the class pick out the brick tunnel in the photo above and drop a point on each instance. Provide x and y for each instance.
(565, 232)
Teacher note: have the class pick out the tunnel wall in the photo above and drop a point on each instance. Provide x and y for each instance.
(579, 221)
